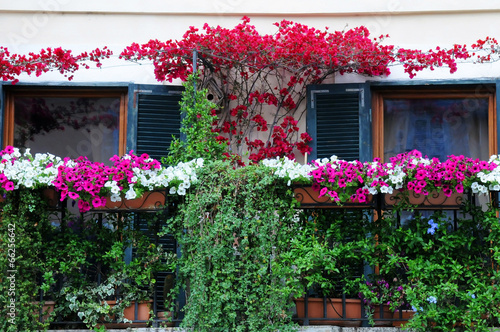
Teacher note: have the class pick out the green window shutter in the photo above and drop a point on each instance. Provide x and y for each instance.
(168, 243)
(156, 113)
(339, 121)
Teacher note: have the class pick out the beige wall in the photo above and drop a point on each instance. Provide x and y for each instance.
(30, 25)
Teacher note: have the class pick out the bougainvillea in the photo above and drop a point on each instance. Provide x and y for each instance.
(260, 80)
(49, 59)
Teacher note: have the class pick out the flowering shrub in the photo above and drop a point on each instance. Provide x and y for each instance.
(382, 292)
(254, 75)
(260, 80)
(13, 65)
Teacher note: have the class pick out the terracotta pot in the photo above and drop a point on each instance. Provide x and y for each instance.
(51, 196)
(436, 199)
(307, 197)
(47, 309)
(143, 309)
(128, 313)
(387, 314)
(150, 200)
(333, 310)
(405, 314)
(166, 315)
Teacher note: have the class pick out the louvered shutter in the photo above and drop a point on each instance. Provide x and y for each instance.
(158, 119)
(339, 121)
(154, 116)
(168, 243)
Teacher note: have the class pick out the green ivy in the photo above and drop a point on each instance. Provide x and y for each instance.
(234, 228)
(24, 222)
(198, 115)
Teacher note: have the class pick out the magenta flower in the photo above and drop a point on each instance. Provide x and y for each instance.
(9, 185)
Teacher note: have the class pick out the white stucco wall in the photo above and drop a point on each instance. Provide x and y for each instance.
(29, 25)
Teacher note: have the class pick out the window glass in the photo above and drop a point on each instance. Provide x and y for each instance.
(68, 126)
(437, 127)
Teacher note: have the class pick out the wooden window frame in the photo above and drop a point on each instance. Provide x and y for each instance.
(8, 134)
(434, 92)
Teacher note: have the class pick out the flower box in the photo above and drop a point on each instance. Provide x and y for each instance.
(315, 309)
(52, 197)
(309, 198)
(401, 317)
(435, 200)
(49, 194)
(384, 313)
(149, 201)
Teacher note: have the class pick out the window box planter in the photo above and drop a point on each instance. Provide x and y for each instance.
(308, 198)
(382, 313)
(403, 318)
(149, 201)
(46, 310)
(435, 199)
(50, 195)
(315, 309)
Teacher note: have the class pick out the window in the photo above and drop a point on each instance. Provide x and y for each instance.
(67, 122)
(363, 121)
(436, 121)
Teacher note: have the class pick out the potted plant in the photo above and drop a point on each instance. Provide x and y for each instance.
(99, 186)
(326, 257)
(382, 296)
(99, 284)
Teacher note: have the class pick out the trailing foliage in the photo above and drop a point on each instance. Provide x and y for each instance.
(198, 115)
(444, 267)
(233, 229)
(24, 223)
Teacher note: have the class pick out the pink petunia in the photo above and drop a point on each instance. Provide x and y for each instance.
(9, 185)
(323, 192)
(73, 195)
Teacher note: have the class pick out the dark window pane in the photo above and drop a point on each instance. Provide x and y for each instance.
(68, 126)
(437, 127)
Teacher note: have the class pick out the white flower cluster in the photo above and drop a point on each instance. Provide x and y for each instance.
(489, 180)
(183, 175)
(27, 171)
(178, 178)
(289, 169)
